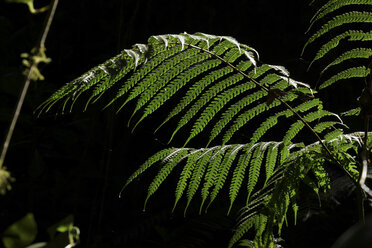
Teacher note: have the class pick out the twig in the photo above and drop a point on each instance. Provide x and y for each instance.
(33, 67)
(365, 100)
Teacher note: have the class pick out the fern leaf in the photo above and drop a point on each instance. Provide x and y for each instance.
(260, 224)
(163, 74)
(284, 153)
(198, 87)
(243, 229)
(137, 56)
(151, 161)
(320, 127)
(216, 105)
(208, 95)
(351, 54)
(175, 71)
(297, 126)
(333, 5)
(333, 135)
(246, 116)
(271, 157)
(186, 73)
(185, 175)
(238, 174)
(223, 171)
(271, 121)
(350, 35)
(197, 176)
(352, 112)
(144, 70)
(254, 169)
(353, 72)
(345, 18)
(163, 174)
(322, 177)
(210, 175)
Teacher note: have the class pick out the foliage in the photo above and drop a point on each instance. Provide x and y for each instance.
(5, 180)
(347, 25)
(20, 233)
(23, 232)
(216, 85)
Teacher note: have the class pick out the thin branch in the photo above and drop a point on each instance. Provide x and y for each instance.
(364, 156)
(33, 67)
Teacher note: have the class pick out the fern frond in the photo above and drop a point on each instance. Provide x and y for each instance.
(219, 83)
(320, 127)
(178, 80)
(208, 95)
(322, 177)
(286, 167)
(352, 112)
(355, 53)
(297, 126)
(216, 105)
(146, 69)
(186, 73)
(238, 174)
(211, 174)
(333, 135)
(223, 171)
(163, 74)
(254, 169)
(271, 157)
(163, 174)
(197, 176)
(350, 35)
(151, 161)
(333, 5)
(345, 18)
(185, 175)
(351, 19)
(279, 195)
(213, 73)
(353, 72)
(196, 89)
(273, 120)
(243, 229)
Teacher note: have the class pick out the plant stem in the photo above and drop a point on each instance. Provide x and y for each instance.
(364, 168)
(40, 46)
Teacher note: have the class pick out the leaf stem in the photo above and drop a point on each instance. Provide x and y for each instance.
(40, 47)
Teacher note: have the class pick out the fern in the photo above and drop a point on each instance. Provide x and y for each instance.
(275, 203)
(238, 175)
(350, 20)
(254, 170)
(220, 86)
(353, 72)
(197, 63)
(210, 175)
(272, 199)
(197, 176)
(334, 5)
(163, 173)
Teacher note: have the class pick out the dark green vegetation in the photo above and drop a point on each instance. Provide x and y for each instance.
(232, 134)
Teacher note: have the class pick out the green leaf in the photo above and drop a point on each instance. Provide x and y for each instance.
(30, 4)
(20, 233)
(62, 226)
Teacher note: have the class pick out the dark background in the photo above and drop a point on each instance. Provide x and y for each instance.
(76, 164)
